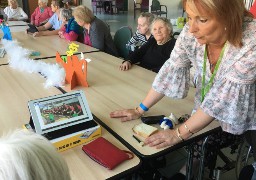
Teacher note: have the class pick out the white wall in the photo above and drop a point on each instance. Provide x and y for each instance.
(174, 8)
(87, 3)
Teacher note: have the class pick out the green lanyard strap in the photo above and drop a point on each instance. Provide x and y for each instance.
(205, 89)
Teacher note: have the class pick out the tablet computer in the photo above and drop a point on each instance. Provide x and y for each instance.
(32, 28)
(61, 113)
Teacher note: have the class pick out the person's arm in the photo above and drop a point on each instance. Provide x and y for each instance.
(6, 11)
(45, 27)
(131, 43)
(138, 54)
(195, 123)
(46, 33)
(129, 114)
(71, 36)
(32, 18)
(135, 56)
(24, 16)
(97, 38)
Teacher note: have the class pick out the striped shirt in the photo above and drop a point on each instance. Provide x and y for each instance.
(136, 41)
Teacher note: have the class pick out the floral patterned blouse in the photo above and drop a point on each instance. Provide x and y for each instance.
(231, 99)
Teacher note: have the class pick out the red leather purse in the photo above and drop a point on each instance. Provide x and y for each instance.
(105, 153)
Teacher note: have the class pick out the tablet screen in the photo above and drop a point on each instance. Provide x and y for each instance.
(60, 111)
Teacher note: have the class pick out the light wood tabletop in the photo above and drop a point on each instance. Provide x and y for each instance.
(17, 26)
(17, 88)
(47, 46)
(111, 89)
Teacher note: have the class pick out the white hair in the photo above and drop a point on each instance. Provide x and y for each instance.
(26, 155)
(43, 1)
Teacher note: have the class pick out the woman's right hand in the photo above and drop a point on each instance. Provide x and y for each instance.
(125, 66)
(126, 114)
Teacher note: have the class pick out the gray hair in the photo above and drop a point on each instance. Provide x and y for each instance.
(26, 155)
(166, 22)
(150, 17)
(12, 1)
(66, 13)
(44, 1)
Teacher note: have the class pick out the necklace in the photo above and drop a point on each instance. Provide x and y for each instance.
(162, 43)
(212, 59)
(206, 87)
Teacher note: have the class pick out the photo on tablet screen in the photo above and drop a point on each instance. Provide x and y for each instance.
(60, 111)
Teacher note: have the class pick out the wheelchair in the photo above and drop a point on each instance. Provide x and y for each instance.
(243, 146)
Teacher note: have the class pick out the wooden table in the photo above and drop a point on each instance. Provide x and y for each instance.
(46, 45)
(17, 26)
(17, 88)
(111, 89)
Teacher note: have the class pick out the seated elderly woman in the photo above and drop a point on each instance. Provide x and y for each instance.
(96, 32)
(26, 155)
(143, 32)
(54, 24)
(41, 14)
(157, 50)
(71, 30)
(13, 12)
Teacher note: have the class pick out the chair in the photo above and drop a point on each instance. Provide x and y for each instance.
(97, 4)
(121, 37)
(158, 9)
(143, 6)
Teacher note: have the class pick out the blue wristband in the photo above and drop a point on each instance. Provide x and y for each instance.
(143, 107)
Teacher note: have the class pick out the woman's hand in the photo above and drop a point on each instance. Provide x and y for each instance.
(162, 139)
(61, 34)
(125, 66)
(37, 34)
(125, 115)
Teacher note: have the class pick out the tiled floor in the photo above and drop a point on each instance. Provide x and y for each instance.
(175, 160)
(117, 21)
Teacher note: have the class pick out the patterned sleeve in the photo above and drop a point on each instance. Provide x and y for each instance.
(232, 99)
(173, 78)
(132, 41)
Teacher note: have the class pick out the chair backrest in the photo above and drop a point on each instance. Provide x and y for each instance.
(155, 5)
(176, 35)
(121, 37)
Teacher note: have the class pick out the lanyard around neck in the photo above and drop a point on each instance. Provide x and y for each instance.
(206, 88)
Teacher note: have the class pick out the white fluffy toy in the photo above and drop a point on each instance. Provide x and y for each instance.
(19, 59)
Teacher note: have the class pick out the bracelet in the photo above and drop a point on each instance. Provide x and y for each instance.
(186, 127)
(136, 109)
(143, 107)
(178, 135)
